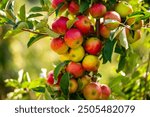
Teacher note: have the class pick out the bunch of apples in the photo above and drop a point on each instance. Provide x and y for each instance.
(82, 42)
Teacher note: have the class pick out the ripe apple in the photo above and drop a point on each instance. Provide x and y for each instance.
(92, 91)
(73, 38)
(59, 46)
(112, 19)
(97, 10)
(104, 31)
(60, 25)
(134, 24)
(73, 8)
(105, 92)
(76, 54)
(83, 24)
(50, 77)
(93, 45)
(90, 63)
(83, 81)
(73, 85)
(124, 9)
(64, 57)
(75, 69)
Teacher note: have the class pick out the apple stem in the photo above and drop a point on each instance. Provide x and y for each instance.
(97, 27)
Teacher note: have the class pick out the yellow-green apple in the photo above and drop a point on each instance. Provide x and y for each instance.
(92, 91)
(73, 85)
(93, 45)
(75, 69)
(134, 24)
(112, 19)
(90, 63)
(64, 57)
(73, 38)
(97, 10)
(105, 91)
(104, 31)
(76, 54)
(83, 24)
(59, 46)
(50, 78)
(83, 81)
(73, 8)
(134, 37)
(124, 9)
(60, 25)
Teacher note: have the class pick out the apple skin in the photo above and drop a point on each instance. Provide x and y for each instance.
(83, 24)
(73, 85)
(112, 15)
(59, 46)
(124, 9)
(76, 54)
(104, 31)
(75, 69)
(134, 25)
(73, 8)
(64, 57)
(105, 91)
(92, 91)
(97, 10)
(60, 25)
(50, 78)
(93, 45)
(73, 38)
(90, 63)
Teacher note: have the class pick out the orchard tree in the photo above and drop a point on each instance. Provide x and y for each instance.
(86, 34)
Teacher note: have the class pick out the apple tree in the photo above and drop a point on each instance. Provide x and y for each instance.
(86, 34)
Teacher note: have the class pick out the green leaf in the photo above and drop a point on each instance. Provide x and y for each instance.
(11, 33)
(70, 23)
(36, 9)
(122, 62)
(12, 83)
(34, 15)
(84, 6)
(22, 14)
(59, 68)
(35, 39)
(50, 32)
(64, 83)
(108, 50)
(47, 95)
(39, 89)
(58, 8)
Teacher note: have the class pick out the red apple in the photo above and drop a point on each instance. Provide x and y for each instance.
(59, 46)
(75, 69)
(112, 19)
(60, 25)
(92, 91)
(97, 10)
(104, 31)
(93, 45)
(73, 85)
(73, 8)
(83, 24)
(73, 38)
(50, 77)
(105, 91)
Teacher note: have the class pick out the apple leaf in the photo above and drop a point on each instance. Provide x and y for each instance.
(59, 68)
(39, 89)
(122, 62)
(36, 9)
(47, 95)
(64, 83)
(34, 15)
(58, 8)
(50, 32)
(84, 6)
(71, 22)
(22, 14)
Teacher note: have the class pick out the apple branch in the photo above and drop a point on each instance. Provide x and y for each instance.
(97, 27)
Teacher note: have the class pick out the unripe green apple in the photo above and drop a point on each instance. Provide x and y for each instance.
(73, 85)
(124, 9)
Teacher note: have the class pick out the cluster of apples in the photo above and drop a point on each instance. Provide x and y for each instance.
(83, 41)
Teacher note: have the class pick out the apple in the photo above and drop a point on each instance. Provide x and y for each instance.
(134, 24)
(97, 10)
(76, 54)
(73, 38)
(90, 63)
(59, 46)
(50, 77)
(64, 57)
(112, 20)
(124, 9)
(73, 8)
(92, 91)
(83, 24)
(73, 85)
(93, 45)
(60, 25)
(104, 31)
(83, 81)
(105, 92)
(75, 69)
